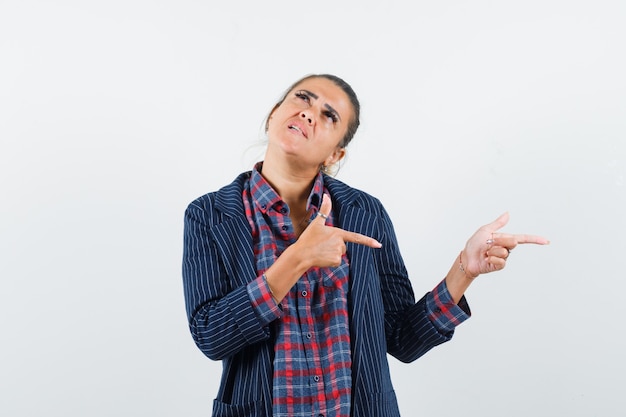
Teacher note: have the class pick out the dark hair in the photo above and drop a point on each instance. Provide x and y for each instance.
(356, 106)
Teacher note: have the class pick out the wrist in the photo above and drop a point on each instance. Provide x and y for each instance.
(462, 266)
(285, 271)
(297, 259)
(458, 278)
(269, 287)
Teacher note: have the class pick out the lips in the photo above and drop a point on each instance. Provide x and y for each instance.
(297, 127)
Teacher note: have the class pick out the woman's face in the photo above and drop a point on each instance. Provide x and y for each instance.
(311, 122)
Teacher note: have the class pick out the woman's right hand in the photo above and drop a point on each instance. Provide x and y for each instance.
(318, 246)
(322, 245)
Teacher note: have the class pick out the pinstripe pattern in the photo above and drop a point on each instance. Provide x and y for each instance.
(218, 262)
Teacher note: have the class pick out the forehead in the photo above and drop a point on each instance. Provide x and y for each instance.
(329, 93)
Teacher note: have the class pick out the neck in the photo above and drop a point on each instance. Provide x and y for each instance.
(292, 184)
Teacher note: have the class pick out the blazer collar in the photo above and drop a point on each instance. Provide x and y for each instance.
(343, 194)
(228, 200)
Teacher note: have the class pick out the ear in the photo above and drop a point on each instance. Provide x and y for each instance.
(267, 121)
(335, 157)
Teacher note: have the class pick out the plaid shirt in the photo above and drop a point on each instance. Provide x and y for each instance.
(312, 363)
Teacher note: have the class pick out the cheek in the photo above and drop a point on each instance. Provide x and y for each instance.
(337, 133)
(273, 119)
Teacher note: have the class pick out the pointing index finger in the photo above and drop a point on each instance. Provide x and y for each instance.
(360, 239)
(506, 240)
(537, 240)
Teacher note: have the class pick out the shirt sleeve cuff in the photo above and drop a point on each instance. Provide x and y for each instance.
(442, 310)
(266, 309)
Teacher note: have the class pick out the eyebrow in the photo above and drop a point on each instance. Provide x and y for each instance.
(328, 106)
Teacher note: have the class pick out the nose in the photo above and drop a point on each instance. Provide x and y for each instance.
(306, 116)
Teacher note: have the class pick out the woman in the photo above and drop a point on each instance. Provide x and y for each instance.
(295, 281)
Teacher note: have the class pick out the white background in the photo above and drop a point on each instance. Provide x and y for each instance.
(114, 115)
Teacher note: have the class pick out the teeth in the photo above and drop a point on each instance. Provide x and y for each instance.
(295, 128)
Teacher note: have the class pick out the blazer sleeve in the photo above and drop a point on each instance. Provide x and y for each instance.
(409, 331)
(221, 318)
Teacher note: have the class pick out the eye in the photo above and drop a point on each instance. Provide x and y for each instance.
(331, 115)
(303, 96)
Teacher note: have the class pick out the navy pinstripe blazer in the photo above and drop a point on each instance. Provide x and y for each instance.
(218, 262)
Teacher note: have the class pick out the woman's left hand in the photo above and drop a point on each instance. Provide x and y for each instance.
(487, 250)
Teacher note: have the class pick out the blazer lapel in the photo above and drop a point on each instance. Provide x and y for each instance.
(234, 242)
(362, 269)
(365, 303)
(232, 233)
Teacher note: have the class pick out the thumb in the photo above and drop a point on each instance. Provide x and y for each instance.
(500, 222)
(325, 208)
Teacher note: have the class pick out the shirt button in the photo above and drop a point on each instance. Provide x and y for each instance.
(285, 227)
(308, 335)
(316, 378)
(304, 293)
(283, 210)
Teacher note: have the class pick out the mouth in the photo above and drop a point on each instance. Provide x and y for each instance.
(296, 128)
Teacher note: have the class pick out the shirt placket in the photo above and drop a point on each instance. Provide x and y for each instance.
(304, 294)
